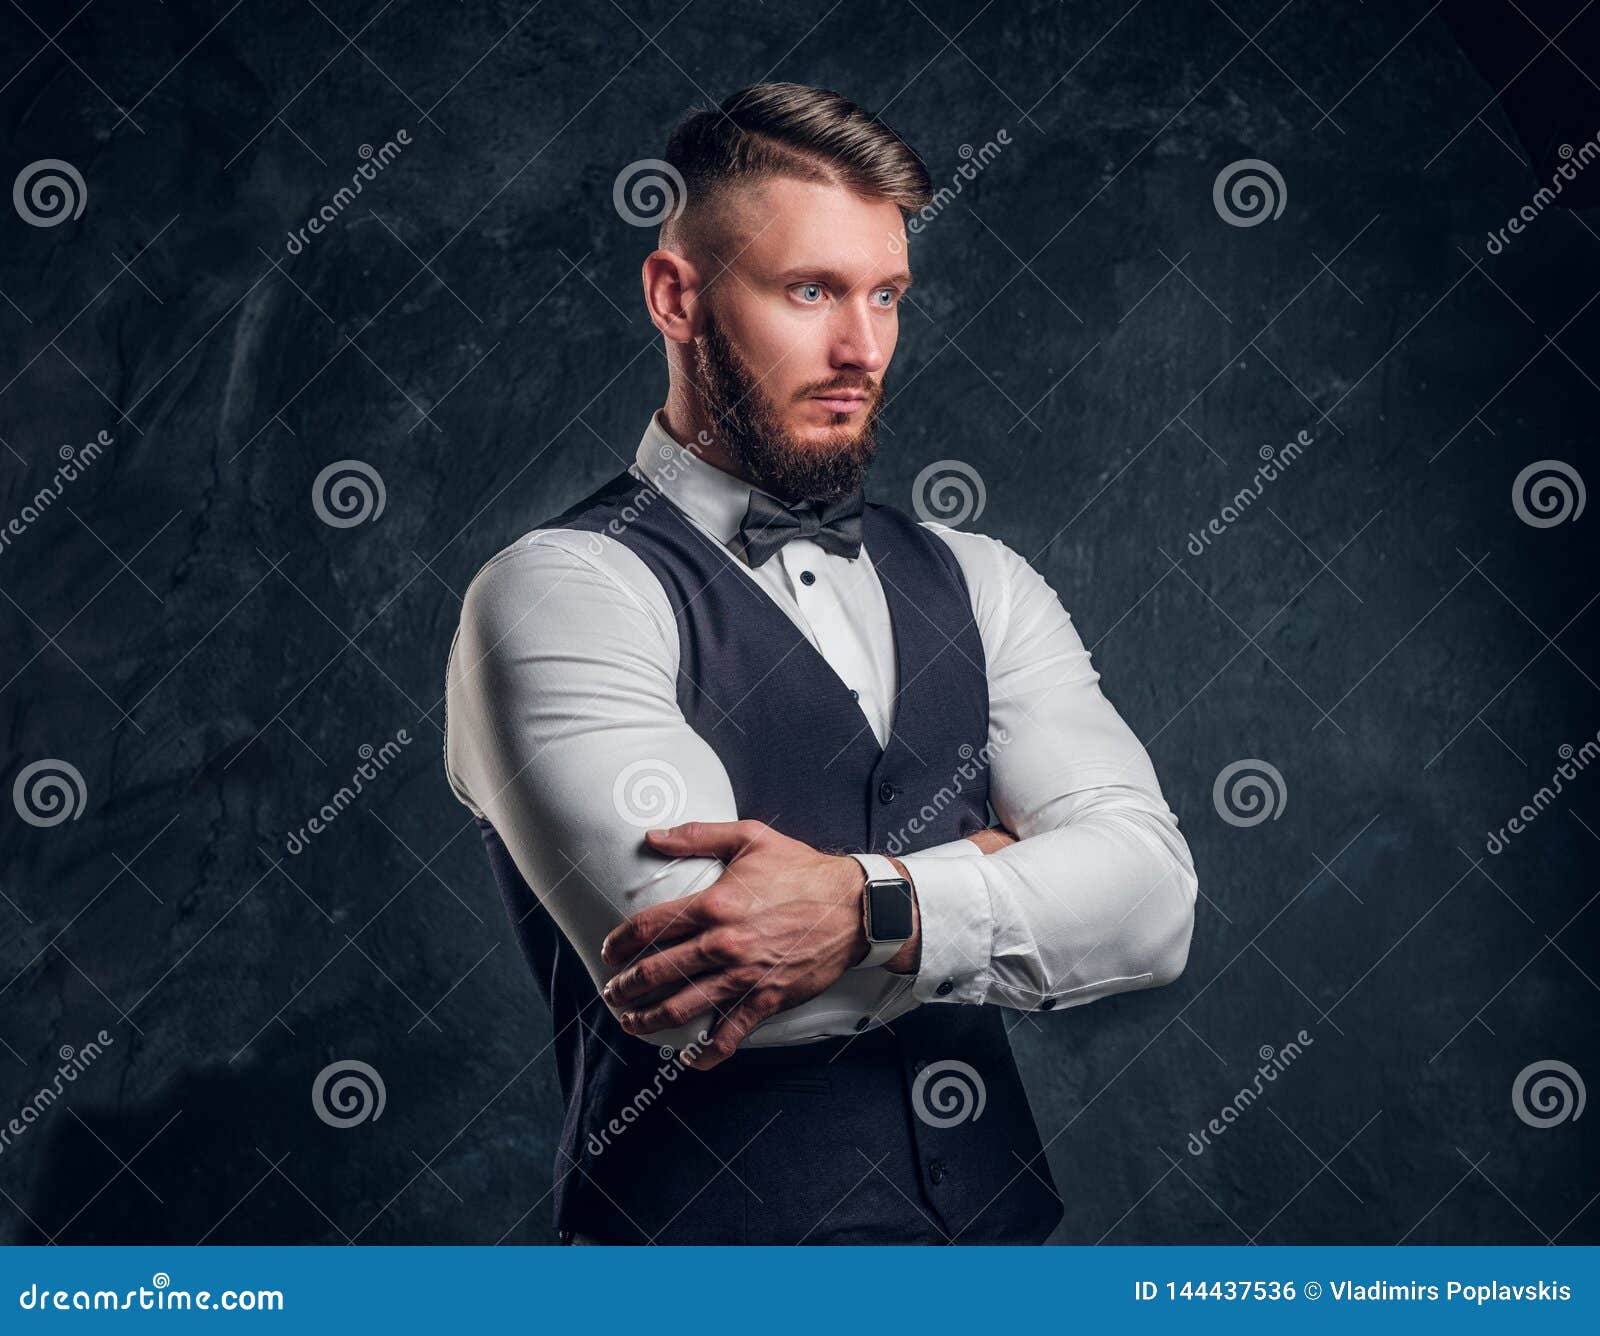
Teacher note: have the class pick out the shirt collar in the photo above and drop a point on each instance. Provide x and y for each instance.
(715, 500)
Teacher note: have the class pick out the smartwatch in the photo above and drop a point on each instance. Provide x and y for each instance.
(885, 909)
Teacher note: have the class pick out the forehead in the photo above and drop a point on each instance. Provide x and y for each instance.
(783, 223)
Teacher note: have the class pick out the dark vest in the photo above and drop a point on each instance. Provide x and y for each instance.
(820, 1142)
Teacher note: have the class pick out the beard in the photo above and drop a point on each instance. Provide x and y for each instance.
(748, 425)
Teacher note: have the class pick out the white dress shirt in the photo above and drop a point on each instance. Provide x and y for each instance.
(561, 693)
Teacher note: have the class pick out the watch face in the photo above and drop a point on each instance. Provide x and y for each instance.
(889, 910)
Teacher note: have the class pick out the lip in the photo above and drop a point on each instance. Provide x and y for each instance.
(844, 402)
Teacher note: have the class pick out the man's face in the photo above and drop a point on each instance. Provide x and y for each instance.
(799, 331)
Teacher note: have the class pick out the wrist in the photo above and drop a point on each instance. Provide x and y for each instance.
(905, 960)
(906, 957)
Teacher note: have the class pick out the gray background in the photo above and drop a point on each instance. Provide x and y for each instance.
(1086, 332)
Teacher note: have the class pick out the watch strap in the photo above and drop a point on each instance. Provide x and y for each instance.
(877, 868)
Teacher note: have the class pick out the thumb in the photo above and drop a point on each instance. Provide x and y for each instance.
(721, 839)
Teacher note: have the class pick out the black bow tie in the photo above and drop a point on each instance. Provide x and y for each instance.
(834, 526)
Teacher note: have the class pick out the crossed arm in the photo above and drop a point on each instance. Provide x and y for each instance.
(562, 694)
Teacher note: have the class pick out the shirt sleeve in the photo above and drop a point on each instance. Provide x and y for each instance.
(563, 730)
(1097, 896)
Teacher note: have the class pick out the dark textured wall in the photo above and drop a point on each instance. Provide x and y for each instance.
(1381, 626)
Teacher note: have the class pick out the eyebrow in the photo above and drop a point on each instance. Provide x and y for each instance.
(903, 278)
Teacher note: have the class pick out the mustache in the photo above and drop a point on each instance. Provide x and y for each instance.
(864, 384)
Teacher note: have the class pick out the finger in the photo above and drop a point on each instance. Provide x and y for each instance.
(669, 921)
(732, 1029)
(677, 963)
(717, 839)
(696, 997)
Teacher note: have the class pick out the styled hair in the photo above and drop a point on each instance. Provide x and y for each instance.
(786, 129)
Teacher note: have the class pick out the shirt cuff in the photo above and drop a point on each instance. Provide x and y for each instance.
(956, 923)
(962, 848)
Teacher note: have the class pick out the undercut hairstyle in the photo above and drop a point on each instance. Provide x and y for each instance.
(783, 129)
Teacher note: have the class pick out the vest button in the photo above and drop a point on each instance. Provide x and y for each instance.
(887, 792)
(1047, 1004)
(936, 1171)
(565, 1235)
(945, 989)
(854, 694)
(863, 1022)
(919, 1064)
(807, 578)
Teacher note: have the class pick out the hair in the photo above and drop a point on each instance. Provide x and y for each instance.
(785, 129)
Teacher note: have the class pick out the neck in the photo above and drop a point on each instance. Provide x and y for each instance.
(690, 428)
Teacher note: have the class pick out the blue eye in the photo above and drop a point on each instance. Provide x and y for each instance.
(809, 288)
(889, 293)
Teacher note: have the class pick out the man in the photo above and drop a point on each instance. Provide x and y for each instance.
(778, 1019)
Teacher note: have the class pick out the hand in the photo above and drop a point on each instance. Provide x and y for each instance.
(780, 925)
(993, 839)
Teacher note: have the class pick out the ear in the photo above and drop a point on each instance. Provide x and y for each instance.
(671, 286)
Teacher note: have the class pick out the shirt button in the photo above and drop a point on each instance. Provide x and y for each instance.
(886, 792)
(863, 1022)
(936, 1170)
(945, 989)
(807, 578)
(1047, 1004)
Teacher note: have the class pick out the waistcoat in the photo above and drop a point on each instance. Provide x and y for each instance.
(913, 1131)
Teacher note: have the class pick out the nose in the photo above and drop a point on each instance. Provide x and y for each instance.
(860, 341)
